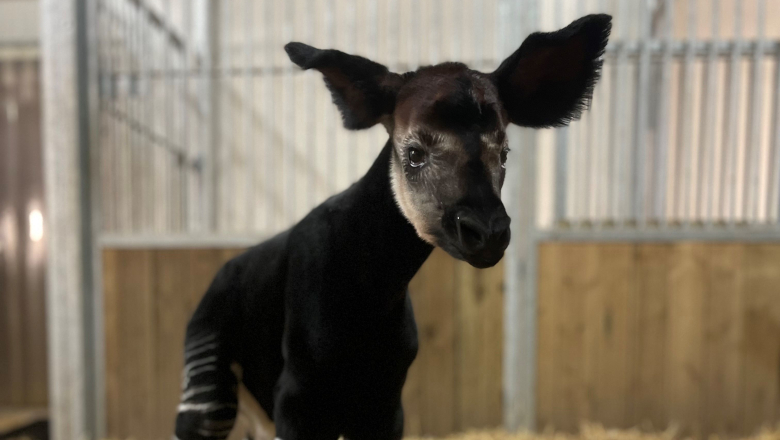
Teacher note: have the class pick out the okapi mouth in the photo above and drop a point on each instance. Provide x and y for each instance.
(476, 239)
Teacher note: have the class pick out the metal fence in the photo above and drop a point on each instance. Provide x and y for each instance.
(683, 128)
(205, 126)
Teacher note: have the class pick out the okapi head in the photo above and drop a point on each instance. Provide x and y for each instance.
(447, 125)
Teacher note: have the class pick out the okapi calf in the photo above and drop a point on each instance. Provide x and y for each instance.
(318, 317)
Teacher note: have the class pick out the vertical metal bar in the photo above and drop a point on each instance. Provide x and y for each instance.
(774, 162)
(128, 114)
(249, 114)
(159, 182)
(585, 153)
(603, 156)
(643, 86)
(707, 148)
(290, 146)
(66, 84)
(269, 147)
(434, 32)
(331, 147)
(683, 162)
(227, 131)
(143, 148)
(663, 115)
(210, 97)
(169, 145)
(311, 142)
(729, 162)
(520, 295)
(349, 27)
(561, 140)
(753, 142)
(620, 187)
(373, 20)
(87, 41)
(106, 72)
(186, 107)
(478, 20)
(561, 159)
(125, 142)
(145, 80)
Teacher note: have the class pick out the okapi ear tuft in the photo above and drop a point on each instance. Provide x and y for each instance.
(549, 80)
(364, 91)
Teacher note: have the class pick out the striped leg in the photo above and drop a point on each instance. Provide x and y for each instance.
(209, 391)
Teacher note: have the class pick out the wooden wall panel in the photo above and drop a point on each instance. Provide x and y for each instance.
(479, 345)
(723, 373)
(684, 338)
(434, 304)
(761, 342)
(615, 278)
(683, 333)
(549, 288)
(649, 386)
(455, 383)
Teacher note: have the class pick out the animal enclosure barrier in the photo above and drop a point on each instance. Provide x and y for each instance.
(203, 135)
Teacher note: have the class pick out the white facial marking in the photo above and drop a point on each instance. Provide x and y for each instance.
(399, 194)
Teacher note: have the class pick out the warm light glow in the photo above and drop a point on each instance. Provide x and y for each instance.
(36, 225)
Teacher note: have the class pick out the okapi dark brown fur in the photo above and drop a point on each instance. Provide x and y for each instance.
(318, 317)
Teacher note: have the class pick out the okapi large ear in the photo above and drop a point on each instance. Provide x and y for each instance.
(364, 91)
(549, 80)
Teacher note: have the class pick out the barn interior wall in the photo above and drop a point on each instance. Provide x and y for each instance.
(683, 334)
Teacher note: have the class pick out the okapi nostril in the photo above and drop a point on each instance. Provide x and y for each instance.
(470, 237)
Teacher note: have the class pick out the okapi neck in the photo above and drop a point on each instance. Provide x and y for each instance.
(391, 249)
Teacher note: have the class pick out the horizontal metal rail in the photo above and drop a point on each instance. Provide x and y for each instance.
(633, 49)
(178, 241)
(650, 234)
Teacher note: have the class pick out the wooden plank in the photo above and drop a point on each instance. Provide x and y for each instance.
(616, 288)
(549, 287)
(722, 385)
(687, 279)
(649, 373)
(578, 269)
(479, 295)
(434, 305)
(136, 345)
(111, 290)
(761, 335)
(171, 304)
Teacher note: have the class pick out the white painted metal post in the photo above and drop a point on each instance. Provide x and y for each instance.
(67, 163)
(516, 20)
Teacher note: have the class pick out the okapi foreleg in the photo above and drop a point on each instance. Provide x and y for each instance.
(209, 401)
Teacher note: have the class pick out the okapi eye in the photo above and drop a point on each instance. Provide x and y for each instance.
(504, 154)
(416, 157)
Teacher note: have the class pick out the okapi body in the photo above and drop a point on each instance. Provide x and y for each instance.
(318, 317)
